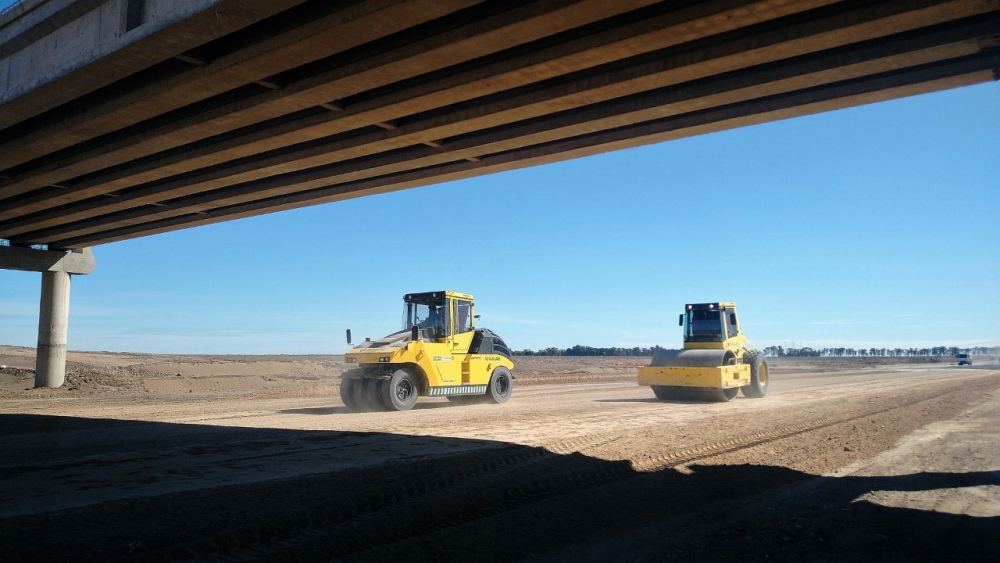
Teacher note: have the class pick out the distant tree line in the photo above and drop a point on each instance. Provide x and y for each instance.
(579, 350)
(589, 351)
(880, 352)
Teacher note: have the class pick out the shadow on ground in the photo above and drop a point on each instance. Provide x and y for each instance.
(344, 410)
(107, 490)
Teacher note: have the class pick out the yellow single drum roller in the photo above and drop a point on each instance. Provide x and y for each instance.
(716, 363)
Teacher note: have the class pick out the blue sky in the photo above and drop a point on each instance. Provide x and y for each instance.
(871, 226)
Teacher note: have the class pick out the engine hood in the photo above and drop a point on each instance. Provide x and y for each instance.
(384, 345)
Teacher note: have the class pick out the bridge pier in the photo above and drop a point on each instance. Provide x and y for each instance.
(53, 327)
(53, 317)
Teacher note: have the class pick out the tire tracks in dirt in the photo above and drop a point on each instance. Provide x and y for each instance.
(472, 489)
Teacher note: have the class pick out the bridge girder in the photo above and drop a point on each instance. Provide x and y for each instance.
(313, 103)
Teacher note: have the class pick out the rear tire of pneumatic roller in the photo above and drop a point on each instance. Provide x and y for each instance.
(501, 385)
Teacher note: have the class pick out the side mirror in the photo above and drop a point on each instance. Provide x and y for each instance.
(348, 337)
(415, 333)
(478, 316)
(680, 320)
(732, 319)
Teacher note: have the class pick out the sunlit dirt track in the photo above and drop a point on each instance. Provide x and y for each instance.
(596, 470)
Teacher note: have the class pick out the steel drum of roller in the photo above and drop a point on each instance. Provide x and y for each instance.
(693, 358)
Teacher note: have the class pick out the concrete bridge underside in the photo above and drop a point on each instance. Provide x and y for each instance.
(125, 118)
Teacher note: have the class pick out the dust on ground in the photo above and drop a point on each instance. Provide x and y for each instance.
(253, 458)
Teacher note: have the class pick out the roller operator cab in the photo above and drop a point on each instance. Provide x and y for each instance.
(438, 352)
(717, 360)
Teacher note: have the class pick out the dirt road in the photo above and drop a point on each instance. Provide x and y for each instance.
(838, 463)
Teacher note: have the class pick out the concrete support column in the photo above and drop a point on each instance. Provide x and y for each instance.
(53, 315)
(53, 326)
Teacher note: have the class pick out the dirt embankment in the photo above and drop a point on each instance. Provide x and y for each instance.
(243, 458)
(151, 375)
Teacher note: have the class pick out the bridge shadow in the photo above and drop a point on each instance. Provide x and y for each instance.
(77, 489)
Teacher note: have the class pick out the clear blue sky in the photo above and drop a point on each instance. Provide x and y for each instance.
(872, 226)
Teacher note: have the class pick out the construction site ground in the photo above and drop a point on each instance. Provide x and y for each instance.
(254, 458)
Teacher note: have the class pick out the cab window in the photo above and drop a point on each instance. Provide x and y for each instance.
(703, 325)
(463, 316)
(730, 325)
(430, 315)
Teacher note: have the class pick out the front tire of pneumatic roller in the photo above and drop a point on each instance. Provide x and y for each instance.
(361, 394)
(372, 394)
(400, 392)
(347, 394)
(759, 378)
(501, 385)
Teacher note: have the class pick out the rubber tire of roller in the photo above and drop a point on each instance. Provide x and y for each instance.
(373, 395)
(358, 393)
(757, 387)
(401, 391)
(501, 385)
(347, 394)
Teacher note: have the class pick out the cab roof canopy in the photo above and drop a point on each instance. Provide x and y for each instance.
(435, 295)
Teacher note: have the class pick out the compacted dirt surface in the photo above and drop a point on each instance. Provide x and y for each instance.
(253, 458)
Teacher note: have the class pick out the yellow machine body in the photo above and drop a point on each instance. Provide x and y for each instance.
(716, 357)
(446, 353)
(719, 377)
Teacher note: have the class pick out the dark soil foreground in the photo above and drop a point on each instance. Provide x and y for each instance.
(177, 459)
